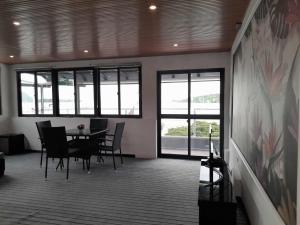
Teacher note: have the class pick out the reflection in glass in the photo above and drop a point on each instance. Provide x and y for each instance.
(200, 136)
(129, 81)
(205, 93)
(109, 91)
(44, 93)
(27, 93)
(66, 92)
(174, 136)
(85, 92)
(174, 94)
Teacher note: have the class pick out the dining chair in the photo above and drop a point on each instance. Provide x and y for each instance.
(114, 144)
(40, 126)
(57, 146)
(99, 124)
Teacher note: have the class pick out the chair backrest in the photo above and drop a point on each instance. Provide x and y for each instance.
(98, 124)
(118, 136)
(56, 142)
(40, 126)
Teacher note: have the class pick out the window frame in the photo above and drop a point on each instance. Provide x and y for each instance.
(119, 115)
(190, 116)
(96, 85)
(76, 114)
(19, 94)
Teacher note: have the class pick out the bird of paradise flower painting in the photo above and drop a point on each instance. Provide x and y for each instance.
(266, 100)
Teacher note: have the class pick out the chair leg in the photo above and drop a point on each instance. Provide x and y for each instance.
(83, 167)
(88, 164)
(100, 158)
(113, 155)
(46, 169)
(58, 164)
(121, 156)
(68, 168)
(42, 153)
(61, 164)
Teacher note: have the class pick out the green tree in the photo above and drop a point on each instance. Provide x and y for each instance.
(178, 131)
(198, 128)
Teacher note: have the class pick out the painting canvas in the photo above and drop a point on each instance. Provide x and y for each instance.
(265, 112)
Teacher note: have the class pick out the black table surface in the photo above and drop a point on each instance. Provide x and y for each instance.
(84, 132)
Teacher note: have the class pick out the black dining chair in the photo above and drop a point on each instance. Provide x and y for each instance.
(40, 126)
(98, 124)
(57, 146)
(95, 125)
(114, 144)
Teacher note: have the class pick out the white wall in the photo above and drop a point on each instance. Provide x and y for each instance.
(5, 122)
(260, 209)
(140, 134)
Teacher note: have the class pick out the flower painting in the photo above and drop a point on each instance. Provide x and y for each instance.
(265, 112)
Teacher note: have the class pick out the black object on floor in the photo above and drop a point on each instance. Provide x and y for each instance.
(215, 195)
(12, 143)
(2, 164)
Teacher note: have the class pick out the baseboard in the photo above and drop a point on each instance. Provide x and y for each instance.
(124, 155)
(103, 154)
(241, 205)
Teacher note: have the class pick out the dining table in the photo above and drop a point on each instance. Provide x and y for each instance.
(86, 133)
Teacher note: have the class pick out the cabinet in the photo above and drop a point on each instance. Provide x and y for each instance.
(12, 143)
(215, 195)
(2, 164)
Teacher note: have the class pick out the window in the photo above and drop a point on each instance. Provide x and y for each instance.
(66, 92)
(129, 91)
(85, 92)
(76, 92)
(28, 93)
(109, 92)
(190, 106)
(44, 93)
(36, 93)
(114, 92)
(120, 91)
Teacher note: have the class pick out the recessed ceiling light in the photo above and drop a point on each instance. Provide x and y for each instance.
(85, 51)
(11, 56)
(175, 45)
(16, 23)
(152, 7)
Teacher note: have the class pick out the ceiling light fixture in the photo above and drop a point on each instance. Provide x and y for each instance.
(175, 45)
(85, 51)
(16, 23)
(152, 7)
(11, 56)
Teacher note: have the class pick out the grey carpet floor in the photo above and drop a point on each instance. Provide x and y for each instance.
(161, 191)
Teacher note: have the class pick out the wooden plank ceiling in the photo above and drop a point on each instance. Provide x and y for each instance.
(57, 30)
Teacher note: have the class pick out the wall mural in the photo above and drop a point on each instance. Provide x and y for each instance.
(266, 100)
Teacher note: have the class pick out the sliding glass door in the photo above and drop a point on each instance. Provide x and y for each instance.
(189, 103)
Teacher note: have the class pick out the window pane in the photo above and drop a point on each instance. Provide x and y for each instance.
(200, 137)
(174, 136)
(66, 92)
(85, 92)
(205, 93)
(174, 94)
(44, 91)
(109, 91)
(129, 79)
(27, 93)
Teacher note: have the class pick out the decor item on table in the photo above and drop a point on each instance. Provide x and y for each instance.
(265, 112)
(80, 127)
